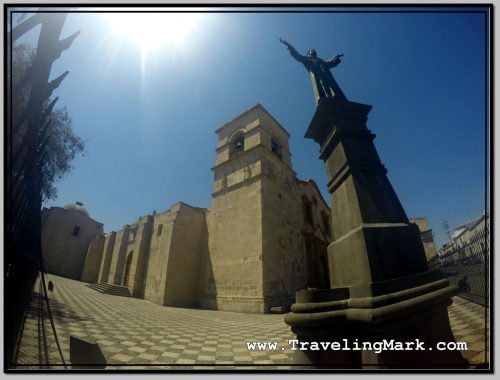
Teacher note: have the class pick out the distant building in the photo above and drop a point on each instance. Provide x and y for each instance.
(66, 236)
(264, 237)
(427, 238)
(469, 243)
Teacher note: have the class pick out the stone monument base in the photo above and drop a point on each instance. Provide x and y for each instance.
(400, 323)
(383, 250)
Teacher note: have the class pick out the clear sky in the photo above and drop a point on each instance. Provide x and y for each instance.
(149, 116)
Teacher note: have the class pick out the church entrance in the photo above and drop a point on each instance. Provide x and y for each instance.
(127, 269)
(317, 263)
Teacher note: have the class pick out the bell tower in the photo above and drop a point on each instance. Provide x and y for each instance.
(249, 148)
(243, 144)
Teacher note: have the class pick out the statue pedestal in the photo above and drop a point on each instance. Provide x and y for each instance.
(401, 325)
(381, 288)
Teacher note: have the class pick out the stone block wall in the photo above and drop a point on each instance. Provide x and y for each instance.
(159, 254)
(187, 249)
(287, 262)
(285, 265)
(64, 252)
(107, 256)
(119, 256)
(137, 256)
(234, 276)
(93, 261)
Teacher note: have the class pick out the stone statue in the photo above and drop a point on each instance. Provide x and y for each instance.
(324, 86)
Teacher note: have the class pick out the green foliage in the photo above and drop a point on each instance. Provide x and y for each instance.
(58, 144)
(62, 147)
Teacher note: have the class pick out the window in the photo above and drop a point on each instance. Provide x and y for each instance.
(76, 231)
(160, 229)
(237, 145)
(276, 149)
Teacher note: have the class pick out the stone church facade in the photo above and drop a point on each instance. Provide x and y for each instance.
(263, 238)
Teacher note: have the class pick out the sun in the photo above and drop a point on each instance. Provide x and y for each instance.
(153, 30)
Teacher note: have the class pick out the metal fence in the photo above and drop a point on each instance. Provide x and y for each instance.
(27, 130)
(467, 264)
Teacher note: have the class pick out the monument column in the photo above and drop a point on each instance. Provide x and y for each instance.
(372, 237)
(381, 288)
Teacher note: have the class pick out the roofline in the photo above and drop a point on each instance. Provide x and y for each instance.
(72, 209)
(257, 106)
(313, 182)
(202, 209)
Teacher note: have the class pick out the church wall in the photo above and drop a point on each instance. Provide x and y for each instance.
(139, 241)
(109, 245)
(119, 256)
(283, 242)
(287, 262)
(277, 134)
(235, 245)
(159, 252)
(63, 252)
(317, 234)
(208, 294)
(93, 261)
(188, 246)
(253, 136)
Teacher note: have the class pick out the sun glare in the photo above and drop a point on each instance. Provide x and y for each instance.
(152, 30)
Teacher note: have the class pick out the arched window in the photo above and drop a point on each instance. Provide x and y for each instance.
(276, 148)
(237, 144)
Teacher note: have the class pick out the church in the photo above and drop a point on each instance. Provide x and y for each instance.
(263, 238)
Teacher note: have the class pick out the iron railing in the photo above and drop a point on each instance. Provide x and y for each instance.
(468, 266)
(26, 135)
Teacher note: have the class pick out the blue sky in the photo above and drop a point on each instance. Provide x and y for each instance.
(149, 120)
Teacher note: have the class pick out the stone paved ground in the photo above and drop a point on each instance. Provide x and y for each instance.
(143, 335)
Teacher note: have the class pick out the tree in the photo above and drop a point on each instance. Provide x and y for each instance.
(59, 145)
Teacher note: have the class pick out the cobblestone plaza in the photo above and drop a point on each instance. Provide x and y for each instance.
(137, 334)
